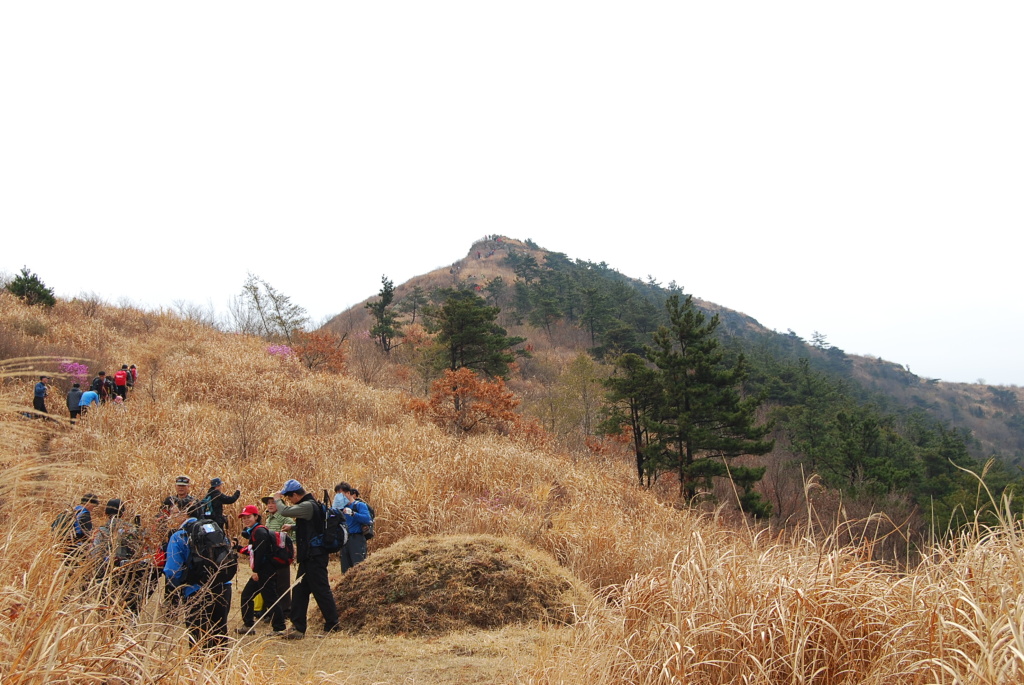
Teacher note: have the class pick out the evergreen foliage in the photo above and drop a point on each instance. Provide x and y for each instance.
(468, 335)
(386, 326)
(31, 289)
(861, 442)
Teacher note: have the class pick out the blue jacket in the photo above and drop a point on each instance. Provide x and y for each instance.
(40, 389)
(360, 515)
(176, 565)
(89, 397)
(83, 522)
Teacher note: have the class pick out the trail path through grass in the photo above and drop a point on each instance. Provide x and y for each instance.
(470, 657)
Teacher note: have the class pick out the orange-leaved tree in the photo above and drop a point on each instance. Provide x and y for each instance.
(321, 351)
(464, 402)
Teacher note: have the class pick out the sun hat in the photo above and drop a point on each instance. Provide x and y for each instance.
(182, 480)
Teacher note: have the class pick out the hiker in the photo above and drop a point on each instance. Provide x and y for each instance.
(82, 526)
(75, 526)
(339, 501)
(41, 391)
(310, 523)
(121, 382)
(133, 375)
(99, 386)
(214, 501)
(357, 514)
(277, 522)
(74, 399)
(182, 499)
(263, 578)
(89, 398)
(206, 604)
(117, 549)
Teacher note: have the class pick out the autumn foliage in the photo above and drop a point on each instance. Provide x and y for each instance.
(463, 402)
(320, 351)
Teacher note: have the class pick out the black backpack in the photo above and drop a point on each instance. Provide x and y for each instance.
(335, 532)
(283, 552)
(211, 556)
(64, 525)
(368, 531)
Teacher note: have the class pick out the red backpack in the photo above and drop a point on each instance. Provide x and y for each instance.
(121, 377)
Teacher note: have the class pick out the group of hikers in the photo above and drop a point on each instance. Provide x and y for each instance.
(103, 389)
(191, 547)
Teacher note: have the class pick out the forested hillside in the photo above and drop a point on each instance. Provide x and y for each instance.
(869, 431)
(685, 589)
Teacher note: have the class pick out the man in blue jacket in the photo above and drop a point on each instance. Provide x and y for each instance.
(357, 514)
(206, 606)
(39, 399)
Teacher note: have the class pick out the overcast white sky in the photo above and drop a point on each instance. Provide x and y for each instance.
(848, 168)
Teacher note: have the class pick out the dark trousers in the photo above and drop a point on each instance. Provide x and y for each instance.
(313, 580)
(353, 552)
(284, 583)
(206, 615)
(74, 414)
(267, 587)
(39, 404)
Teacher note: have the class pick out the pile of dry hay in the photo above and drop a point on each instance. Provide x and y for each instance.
(443, 583)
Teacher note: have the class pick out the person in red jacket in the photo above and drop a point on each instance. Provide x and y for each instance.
(121, 381)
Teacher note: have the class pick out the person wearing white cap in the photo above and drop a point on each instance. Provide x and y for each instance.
(294, 502)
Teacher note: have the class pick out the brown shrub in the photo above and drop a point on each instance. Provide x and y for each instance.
(440, 584)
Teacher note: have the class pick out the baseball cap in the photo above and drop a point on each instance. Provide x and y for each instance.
(249, 510)
(291, 485)
(182, 480)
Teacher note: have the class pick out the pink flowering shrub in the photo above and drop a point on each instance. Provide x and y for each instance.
(78, 373)
(282, 351)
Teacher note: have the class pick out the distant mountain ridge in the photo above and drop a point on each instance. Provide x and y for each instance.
(994, 415)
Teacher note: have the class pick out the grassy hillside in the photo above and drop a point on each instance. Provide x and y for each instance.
(681, 596)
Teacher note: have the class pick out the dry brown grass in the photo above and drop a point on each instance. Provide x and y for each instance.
(440, 584)
(682, 597)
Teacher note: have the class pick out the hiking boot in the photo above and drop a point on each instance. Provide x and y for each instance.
(293, 634)
(332, 629)
(245, 630)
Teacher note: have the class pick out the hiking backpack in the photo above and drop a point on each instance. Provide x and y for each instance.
(121, 378)
(63, 526)
(206, 507)
(211, 556)
(335, 532)
(368, 531)
(284, 549)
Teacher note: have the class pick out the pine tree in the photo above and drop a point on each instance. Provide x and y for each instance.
(31, 289)
(702, 419)
(633, 395)
(468, 335)
(386, 326)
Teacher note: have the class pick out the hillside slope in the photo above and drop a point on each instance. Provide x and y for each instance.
(682, 597)
(994, 415)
